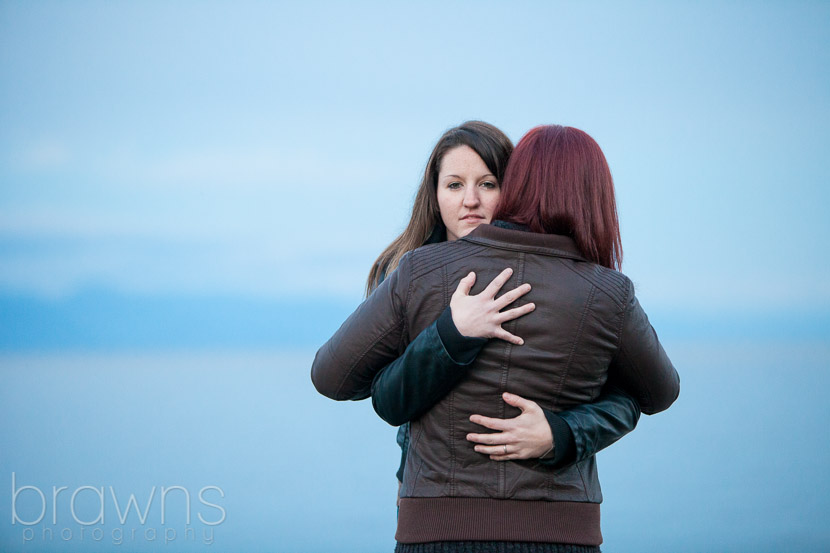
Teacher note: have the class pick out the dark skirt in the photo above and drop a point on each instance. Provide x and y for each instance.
(493, 547)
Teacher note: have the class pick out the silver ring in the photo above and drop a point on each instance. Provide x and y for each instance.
(505, 449)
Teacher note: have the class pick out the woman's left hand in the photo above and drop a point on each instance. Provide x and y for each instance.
(526, 436)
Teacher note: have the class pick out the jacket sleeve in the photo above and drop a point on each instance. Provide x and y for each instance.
(371, 338)
(641, 366)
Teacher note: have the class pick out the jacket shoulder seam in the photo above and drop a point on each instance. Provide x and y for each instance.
(580, 329)
(423, 264)
(622, 279)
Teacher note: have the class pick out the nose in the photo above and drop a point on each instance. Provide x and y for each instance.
(471, 198)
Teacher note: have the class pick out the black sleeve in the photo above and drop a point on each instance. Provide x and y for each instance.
(429, 368)
(584, 430)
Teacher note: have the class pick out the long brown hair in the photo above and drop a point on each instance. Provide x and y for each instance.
(558, 182)
(489, 143)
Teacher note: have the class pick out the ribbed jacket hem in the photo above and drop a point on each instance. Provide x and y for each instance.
(429, 519)
(494, 547)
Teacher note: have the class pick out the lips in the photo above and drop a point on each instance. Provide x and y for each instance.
(473, 217)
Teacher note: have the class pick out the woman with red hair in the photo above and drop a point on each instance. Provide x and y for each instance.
(460, 190)
(557, 228)
(558, 182)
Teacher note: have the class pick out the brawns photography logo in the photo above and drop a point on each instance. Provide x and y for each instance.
(85, 513)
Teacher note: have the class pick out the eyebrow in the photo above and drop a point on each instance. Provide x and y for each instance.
(458, 176)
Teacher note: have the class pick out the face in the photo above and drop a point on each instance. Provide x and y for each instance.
(467, 192)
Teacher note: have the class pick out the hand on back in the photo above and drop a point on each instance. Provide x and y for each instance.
(526, 436)
(481, 316)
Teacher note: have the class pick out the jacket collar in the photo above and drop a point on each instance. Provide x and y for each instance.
(516, 237)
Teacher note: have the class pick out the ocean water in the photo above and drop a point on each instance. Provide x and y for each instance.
(739, 463)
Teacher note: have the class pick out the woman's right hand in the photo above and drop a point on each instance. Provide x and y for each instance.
(526, 436)
(481, 316)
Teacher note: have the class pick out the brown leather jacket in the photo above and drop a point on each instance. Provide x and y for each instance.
(587, 327)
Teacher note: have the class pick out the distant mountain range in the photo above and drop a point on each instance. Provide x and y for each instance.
(108, 320)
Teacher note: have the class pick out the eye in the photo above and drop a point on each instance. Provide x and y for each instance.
(490, 185)
(455, 185)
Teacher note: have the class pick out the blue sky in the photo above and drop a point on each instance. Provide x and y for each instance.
(226, 148)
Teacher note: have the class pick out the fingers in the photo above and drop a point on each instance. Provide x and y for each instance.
(517, 439)
(492, 424)
(465, 285)
(509, 297)
(496, 438)
(518, 401)
(496, 452)
(505, 457)
(496, 284)
(516, 312)
(517, 456)
(502, 334)
(493, 449)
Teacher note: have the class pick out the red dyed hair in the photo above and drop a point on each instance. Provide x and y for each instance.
(558, 182)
